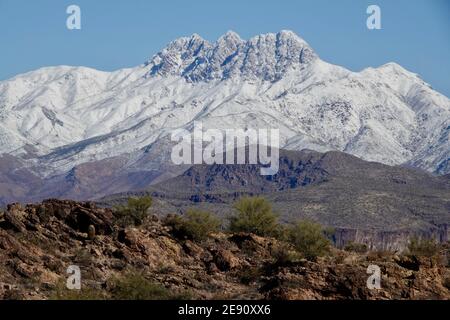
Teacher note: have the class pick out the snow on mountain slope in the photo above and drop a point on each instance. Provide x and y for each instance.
(60, 117)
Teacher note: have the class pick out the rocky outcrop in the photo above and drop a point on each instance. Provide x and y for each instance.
(39, 242)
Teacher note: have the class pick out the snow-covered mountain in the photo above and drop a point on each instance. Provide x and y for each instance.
(55, 119)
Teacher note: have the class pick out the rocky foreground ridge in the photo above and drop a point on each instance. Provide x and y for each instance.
(38, 242)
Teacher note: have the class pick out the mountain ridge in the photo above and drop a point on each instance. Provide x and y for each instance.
(57, 118)
(333, 188)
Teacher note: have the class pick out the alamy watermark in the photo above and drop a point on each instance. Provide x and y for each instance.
(229, 146)
(73, 21)
(374, 20)
(374, 280)
(74, 279)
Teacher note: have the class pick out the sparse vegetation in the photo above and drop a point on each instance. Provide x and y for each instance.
(254, 215)
(148, 262)
(356, 247)
(131, 286)
(62, 293)
(134, 286)
(284, 255)
(421, 247)
(308, 238)
(195, 225)
(134, 212)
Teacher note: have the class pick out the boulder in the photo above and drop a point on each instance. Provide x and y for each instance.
(225, 260)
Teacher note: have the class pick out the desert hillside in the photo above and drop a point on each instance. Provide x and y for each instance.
(153, 260)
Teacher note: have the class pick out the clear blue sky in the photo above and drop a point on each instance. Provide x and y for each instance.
(119, 33)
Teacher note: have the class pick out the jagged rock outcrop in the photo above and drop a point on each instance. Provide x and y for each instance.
(267, 57)
(38, 242)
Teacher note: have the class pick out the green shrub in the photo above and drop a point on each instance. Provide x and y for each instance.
(423, 247)
(195, 225)
(134, 212)
(356, 247)
(131, 286)
(308, 238)
(330, 233)
(254, 215)
(134, 286)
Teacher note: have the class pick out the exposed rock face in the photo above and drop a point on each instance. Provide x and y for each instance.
(268, 56)
(38, 243)
(331, 280)
(387, 240)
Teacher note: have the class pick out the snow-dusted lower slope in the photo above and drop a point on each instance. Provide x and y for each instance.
(60, 117)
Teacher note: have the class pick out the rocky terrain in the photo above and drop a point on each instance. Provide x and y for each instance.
(38, 242)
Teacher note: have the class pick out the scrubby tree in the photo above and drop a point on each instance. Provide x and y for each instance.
(195, 224)
(254, 215)
(309, 239)
(134, 212)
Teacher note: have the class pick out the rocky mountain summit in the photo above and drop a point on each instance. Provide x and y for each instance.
(268, 57)
(38, 242)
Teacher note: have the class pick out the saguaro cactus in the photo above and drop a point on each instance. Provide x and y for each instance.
(91, 232)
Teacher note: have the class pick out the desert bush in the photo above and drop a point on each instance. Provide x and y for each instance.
(131, 286)
(308, 238)
(356, 247)
(134, 286)
(330, 233)
(254, 215)
(284, 255)
(134, 212)
(421, 247)
(195, 225)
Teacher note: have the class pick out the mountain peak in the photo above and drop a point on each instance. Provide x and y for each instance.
(266, 56)
(289, 34)
(390, 71)
(395, 68)
(230, 34)
(231, 40)
(196, 38)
